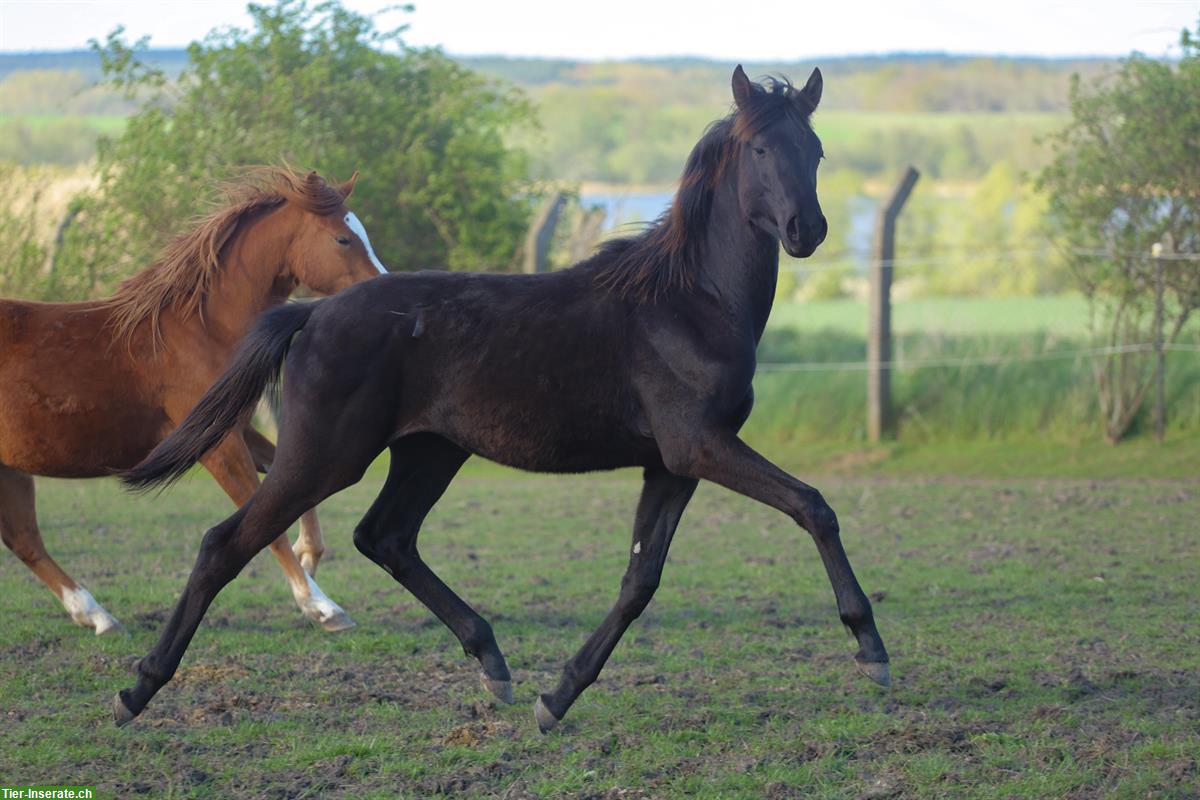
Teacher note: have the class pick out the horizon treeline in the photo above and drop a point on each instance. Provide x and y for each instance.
(633, 122)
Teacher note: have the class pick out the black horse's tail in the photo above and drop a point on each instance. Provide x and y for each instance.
(256, 363)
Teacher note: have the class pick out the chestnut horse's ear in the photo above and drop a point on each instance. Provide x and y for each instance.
(346, 189)
(812, 90)
(741, 87)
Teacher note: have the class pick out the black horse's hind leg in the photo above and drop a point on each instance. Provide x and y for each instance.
(721, 457)
(314, 460)
(422, 467)
(664, 497)
(224, 551)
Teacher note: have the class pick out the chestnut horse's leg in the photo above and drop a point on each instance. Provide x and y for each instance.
(232, 466)
(664, 497)
(422, 467)
(19, 529)
(310, 544)
(721, 457)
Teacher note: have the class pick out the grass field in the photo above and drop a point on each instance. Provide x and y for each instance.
(959, 405)
(101, 123)
(61, 139)
(1060, 315)
(1038, 631)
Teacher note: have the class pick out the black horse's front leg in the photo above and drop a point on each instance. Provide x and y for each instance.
(664, 497)
(721, 457)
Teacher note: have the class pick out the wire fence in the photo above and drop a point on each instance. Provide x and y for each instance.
(954, 258)
(969, 361)
(944, 260)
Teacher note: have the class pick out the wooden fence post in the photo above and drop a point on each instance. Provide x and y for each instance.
(879, 324)
(1164, 248)
(587, 231)
(541, 233)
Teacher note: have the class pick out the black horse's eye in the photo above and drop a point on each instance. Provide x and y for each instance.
(344, 241)
(760, 151)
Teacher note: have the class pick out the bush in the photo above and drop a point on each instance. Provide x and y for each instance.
(311, 86)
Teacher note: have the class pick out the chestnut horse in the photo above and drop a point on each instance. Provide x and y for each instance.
(87, 389)
(642, 355)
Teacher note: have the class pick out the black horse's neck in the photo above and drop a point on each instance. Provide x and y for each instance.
(738, 263)
(704, 244)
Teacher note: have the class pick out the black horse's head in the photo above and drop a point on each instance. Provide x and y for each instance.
(777, 160)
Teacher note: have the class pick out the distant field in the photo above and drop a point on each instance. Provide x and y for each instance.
(852, 126)
(1035, 629)
(102, 123)
(61, 139)
(1064, 315)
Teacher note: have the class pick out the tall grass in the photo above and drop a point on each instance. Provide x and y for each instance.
(987, 402)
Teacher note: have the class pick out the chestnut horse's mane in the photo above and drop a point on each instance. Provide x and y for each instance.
(186, 268)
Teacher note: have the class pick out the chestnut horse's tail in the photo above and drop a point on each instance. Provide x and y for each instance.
(256, 363)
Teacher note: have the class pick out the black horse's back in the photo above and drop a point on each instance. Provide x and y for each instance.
(529, 371)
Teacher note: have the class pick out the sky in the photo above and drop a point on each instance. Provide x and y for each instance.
(770, 30)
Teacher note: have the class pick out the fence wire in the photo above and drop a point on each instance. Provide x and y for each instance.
(950, 259)
(968, 361)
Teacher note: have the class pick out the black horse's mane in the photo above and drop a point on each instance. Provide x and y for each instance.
(655, 262)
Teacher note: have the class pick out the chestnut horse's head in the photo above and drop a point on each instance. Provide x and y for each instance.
(284, 228)
(329, 249)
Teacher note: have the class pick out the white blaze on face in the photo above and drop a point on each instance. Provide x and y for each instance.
(355, 224)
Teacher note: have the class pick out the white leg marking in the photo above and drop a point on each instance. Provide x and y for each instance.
(85, 611)
(355, 224)
(637, 547)
(316, 605)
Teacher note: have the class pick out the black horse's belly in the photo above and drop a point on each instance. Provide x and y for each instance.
(546, 436)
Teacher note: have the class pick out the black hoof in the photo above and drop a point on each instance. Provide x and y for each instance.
(877, 671)
(545, 720)
(501, 690)
(122, 716)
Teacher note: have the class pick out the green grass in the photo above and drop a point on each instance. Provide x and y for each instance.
(1061, 315)
(853, 127)
(101, 123)
(1046, 404)
(1012, 458)
(54, 138)
(1037, 629)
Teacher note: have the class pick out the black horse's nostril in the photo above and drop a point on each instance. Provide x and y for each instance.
(793, 229)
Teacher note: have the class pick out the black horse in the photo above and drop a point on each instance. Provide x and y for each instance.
(639, 356)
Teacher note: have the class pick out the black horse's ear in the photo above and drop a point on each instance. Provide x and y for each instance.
(812, 90)
(741, 87)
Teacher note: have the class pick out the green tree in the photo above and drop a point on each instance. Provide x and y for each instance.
(23, 258)
(312, 85)
(1126, 174)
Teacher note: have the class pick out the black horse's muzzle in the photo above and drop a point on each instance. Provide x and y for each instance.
(802, 238)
